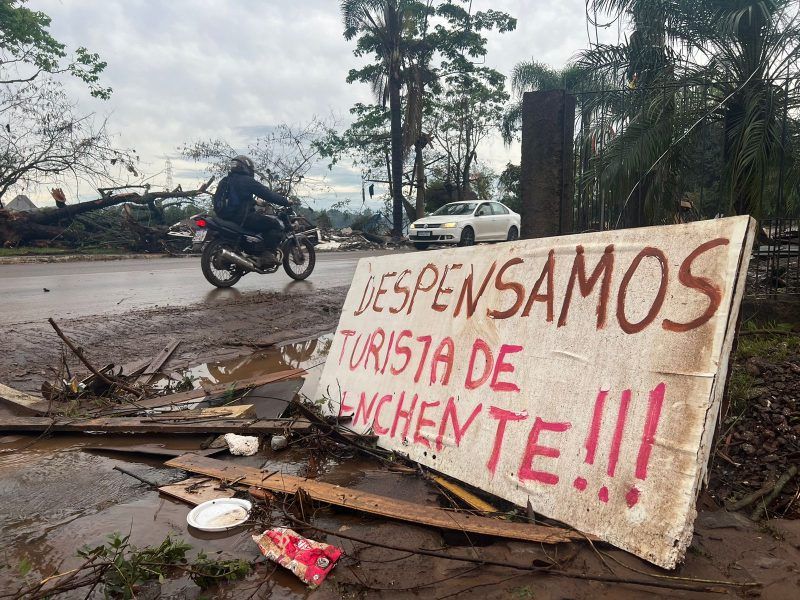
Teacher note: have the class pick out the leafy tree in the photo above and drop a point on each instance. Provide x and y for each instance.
(28, 51)
(688, 69)
(509, 187)
(531, 76)
(379, 26)
(42, 137)
(470, 110)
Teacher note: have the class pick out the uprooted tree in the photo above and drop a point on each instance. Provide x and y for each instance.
(20, 228)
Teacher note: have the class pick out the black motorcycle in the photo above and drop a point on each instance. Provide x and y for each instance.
(230, 251)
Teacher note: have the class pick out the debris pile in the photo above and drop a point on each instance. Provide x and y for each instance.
(759, 449)
(126, 400)
(349, 239)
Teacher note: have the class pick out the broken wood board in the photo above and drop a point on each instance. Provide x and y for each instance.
(373, 503)
(581, 374)
(152, 425)
(273, 400)
(231, 411)
(196, 490)
(155, 365)
(23, 402)
(207, 392)
(465, 496)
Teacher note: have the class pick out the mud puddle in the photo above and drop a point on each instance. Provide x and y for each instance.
(271, 399)
(57, 497)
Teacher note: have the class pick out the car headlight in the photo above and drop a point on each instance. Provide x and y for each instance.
(413, 226)
(449, 225)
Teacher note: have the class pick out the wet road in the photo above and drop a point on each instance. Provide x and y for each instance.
(111, 287)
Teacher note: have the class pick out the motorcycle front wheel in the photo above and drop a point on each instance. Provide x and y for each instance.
(217, 272)
(299, 258)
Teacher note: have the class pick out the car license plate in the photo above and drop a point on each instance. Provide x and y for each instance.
(199, 235)
(423, 234)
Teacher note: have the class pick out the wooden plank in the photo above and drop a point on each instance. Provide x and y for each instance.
(163, 424)
(209, 392)
(232, 411)
(158, 362)
(26, 403)
(196, 490)
(467, 497)
(373, 503)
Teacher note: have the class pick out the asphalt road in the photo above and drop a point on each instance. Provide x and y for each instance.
(112, 287)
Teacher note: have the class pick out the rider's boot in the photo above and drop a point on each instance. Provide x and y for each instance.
(268, 259)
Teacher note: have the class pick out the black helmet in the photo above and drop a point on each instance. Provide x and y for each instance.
(243, 164)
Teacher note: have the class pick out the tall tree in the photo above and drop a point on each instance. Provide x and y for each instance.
(379, 26)
(469, 110)
(414, 66)
(531, 76)
(28, 50)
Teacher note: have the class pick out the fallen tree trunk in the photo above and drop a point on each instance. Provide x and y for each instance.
(48, 223)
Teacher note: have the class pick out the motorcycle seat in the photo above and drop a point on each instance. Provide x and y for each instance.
(230, 226)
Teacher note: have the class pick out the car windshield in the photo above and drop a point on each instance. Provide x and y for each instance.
(455, 208)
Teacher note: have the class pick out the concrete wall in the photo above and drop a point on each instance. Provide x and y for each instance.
(547, 165)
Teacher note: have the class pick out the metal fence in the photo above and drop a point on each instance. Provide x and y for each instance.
(662, 155)
(775, 262)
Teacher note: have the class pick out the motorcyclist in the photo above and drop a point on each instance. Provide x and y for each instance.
(243, 193)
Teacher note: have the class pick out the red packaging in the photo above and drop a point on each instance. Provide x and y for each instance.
(311, 561)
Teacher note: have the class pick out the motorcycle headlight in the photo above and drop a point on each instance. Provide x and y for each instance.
(450, 225)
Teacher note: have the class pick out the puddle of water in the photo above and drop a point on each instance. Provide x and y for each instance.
(55, 498)
(269, 400)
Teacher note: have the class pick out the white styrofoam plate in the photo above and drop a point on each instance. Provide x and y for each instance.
(219, 515)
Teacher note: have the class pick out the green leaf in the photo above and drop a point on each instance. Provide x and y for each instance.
(25, 567)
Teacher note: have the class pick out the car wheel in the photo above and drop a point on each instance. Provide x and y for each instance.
(467, 237)
(513, 234)
(421, 245)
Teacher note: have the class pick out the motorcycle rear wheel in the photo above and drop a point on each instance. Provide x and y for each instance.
(308, 258)
(216, 273)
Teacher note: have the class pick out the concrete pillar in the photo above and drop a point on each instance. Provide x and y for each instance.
(547, 182)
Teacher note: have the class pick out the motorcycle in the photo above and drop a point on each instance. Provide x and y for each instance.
(229, 251)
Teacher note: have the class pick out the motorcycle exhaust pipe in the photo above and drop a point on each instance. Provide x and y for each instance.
(237, 260)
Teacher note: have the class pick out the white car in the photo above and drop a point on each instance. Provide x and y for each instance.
(465, 223)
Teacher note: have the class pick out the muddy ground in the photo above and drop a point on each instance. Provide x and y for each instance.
(206, 332)
(56, 496)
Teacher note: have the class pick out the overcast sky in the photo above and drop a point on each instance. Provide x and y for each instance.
(192, 69)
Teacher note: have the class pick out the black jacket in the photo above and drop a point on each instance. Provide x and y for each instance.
(241, 189)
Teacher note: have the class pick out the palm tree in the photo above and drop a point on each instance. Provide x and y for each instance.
(379, 24)
(689, 68)
(531, 76)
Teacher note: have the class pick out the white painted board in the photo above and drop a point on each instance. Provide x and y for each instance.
(582, 373)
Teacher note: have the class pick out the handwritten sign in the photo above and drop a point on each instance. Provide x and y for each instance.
(582, 373)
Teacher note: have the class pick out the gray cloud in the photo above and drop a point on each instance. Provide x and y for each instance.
(189, 69)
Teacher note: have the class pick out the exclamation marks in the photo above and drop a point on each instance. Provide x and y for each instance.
(650, 426)
(655, 403)
(622, 415)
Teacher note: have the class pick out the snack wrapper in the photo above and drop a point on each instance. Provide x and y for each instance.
(310, 561)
